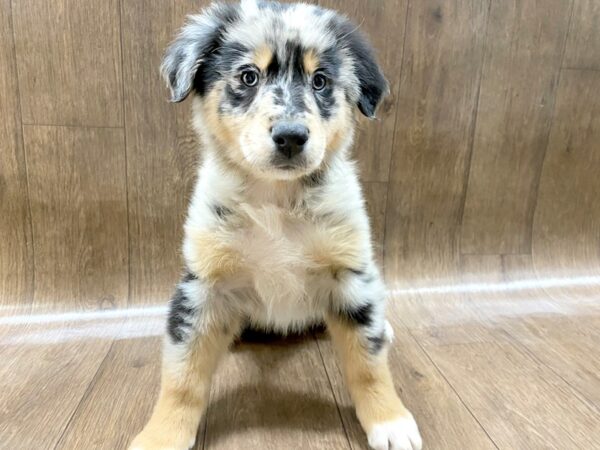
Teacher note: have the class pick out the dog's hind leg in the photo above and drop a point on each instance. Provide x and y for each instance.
(361, 338)
(196, 339)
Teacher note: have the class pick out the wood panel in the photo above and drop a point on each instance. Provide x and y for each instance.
(16, 263)
(583, 46)
(273, 397)
(79, 211)
(69, 60)
(566, 233)
(523, 54)
(374, 142)
(520, 403)
(437, 99)
(158, 173)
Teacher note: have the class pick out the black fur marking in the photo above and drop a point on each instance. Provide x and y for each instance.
(330, 62)
(274, 68)
(325, 102)
(294, 52)
(373, 84)
(376, 343)
(255, 335)
(296, 58)
(229, 54)
(361, 315)
(179, 317)
(221, 211)
(298, 104)
(240, 98)
(222, 57)
(315, 179)
(189, 276)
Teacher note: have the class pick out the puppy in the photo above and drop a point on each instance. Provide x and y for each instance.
(277, 236)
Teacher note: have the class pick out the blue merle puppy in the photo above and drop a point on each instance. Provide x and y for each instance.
(277, 236)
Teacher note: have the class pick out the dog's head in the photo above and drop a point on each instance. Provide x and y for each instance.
(275, 84)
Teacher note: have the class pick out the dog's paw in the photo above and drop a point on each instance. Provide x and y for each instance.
(388, 332)
(149, 441)
(398, 434)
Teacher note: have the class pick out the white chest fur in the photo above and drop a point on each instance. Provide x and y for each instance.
(276, 248)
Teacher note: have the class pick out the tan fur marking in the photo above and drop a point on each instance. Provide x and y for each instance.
(368, 377)
(337, 248)
(262, 57)
(340, 129)
(184, 394)
(215, 259)
(214, 122)
(310, 61)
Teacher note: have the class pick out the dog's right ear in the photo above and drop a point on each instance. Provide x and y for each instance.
(199, 37)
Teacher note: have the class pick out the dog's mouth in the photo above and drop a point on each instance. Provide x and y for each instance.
(287, 167)
(297, 163)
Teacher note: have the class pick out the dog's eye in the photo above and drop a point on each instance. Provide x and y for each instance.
(319, 82)
(250, 77)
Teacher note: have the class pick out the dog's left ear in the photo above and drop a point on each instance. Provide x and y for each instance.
(372, 83)
(200, 36)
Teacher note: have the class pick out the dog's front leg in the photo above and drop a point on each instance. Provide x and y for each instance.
(361, 337)
(197, 337)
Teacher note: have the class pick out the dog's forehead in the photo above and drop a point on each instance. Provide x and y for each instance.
(272, 25)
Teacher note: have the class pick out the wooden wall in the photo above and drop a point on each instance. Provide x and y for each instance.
(487, 150)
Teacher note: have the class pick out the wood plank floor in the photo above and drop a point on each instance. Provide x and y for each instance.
(493, 370)
(482, 182)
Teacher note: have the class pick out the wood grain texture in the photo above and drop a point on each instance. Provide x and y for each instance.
(523, 53)
(79, 212)
(120, 407)
(521, 403)
(566, 346)
(158, 176)
(374, 141)
(566, 232)
(246, 400)
(437, 99)
(41, 385)
(16, 251)
(69, 60)
(583, 45)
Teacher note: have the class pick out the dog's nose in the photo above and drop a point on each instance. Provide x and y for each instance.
(289, 137)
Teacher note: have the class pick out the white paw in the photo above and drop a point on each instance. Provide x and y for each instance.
(389, 332)
(399, 434)
(142, 443)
